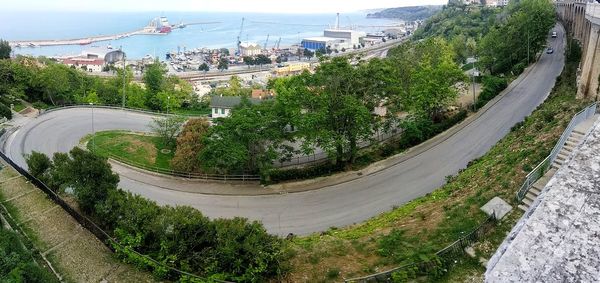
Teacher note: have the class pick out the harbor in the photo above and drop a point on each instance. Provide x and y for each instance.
(157, 26)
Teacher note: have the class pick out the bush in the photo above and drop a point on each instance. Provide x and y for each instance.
(492, 86)
(38, 164)
(180, 237)
(5, 111)
(323, 169)
(16, 263)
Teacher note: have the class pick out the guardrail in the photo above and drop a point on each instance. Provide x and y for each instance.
(91, 226)
(117, 107)
(543, 166)
(193, 176)
(443, 256)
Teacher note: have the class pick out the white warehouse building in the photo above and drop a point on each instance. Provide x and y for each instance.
(335, 38)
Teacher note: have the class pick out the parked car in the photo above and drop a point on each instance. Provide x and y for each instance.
(554, 34)
(549, 50)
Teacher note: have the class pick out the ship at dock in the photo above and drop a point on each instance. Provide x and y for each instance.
(159, 25)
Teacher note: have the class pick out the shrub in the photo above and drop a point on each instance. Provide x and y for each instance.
(38, 164)
(180, 237)
(5, 111)
(492, 86)
(16, 263)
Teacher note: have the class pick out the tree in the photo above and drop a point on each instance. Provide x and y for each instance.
(223, 64)
(249, 61)
(335, 113)
(167, 128)
(189, 145)
(262, 59)
(247, 141)
(38, 164)
(308, 54)
(433, 79)
(204, 68)
(4, 49)
(154, 79)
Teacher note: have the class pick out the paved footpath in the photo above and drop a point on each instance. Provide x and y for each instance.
(76, 254)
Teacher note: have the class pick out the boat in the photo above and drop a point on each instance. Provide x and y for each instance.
(32, 44)
(164, 26)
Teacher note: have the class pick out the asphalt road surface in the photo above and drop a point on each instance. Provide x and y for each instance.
(312, 211)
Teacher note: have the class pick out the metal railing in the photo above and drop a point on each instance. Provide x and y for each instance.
(91, 226)
(187, 175)
(443, 256)
(118, 107)
(543, 166)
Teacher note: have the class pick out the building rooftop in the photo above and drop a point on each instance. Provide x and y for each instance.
(321, 38)
(558, 239)
(229, 101)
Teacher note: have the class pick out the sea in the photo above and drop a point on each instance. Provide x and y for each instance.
(218, 30)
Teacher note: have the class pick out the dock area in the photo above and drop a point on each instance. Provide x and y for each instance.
(81, 41)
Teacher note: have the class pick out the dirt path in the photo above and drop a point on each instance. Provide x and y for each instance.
(76, 253)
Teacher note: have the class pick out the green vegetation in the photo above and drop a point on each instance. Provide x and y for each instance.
(332, 109)
(180, 237)
(4, 49)
(17, 263)
(416, 230)
(148, 151)
(45, 82)
(406, 13)
(511, 45)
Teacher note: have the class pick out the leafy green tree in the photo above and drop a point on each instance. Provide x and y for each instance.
(262, 59)
(509, 45)
(249, 140)
(223, 64)
(167, 128)
(154, 79)
(204, 68)
(38, 164)
(248, 60)
(337, 114)
(136, 96)
(433, 79)
(308, 54)
(4, 49)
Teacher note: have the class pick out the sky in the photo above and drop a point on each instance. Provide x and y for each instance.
(267, 6)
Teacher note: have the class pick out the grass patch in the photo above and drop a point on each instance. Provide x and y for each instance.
(135, 148)
(420, 228)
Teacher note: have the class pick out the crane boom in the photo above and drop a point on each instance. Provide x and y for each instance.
(266, 42)
(239, 51)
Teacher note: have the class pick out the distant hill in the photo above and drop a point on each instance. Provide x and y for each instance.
(406, 13)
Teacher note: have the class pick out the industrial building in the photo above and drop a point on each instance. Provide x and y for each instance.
(335, 38)
(250, 49)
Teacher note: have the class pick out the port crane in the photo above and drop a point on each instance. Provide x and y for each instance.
(239, 49)
(276, 46)
(266, 42)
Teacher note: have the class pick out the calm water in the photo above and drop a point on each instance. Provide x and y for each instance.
(290, 27)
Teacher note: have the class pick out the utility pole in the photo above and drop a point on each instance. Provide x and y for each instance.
(124, 81)
(93, 130)
(473, 83)
(527, 45)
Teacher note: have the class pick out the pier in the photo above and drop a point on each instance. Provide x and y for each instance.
(149, 30)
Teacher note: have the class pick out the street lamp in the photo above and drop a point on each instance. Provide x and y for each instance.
(93, 131)
(168, 103)
(124, 82)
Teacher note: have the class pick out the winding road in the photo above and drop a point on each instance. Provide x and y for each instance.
(317, 210)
